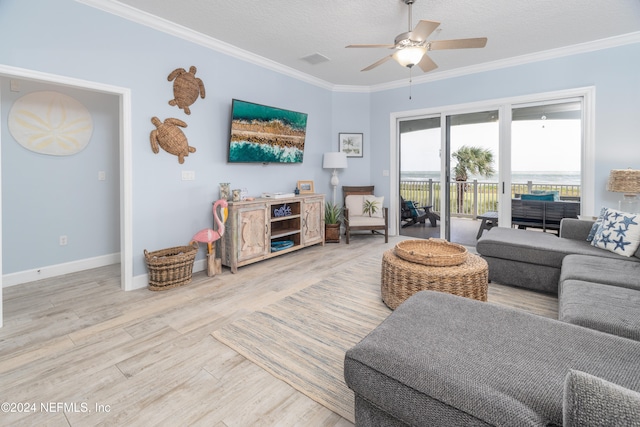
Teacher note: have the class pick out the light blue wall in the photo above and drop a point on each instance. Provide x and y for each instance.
(44, 197)
(350, 114)
(613, 72)
(66, 38)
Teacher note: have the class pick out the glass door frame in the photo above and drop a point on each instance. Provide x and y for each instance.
(504, 107)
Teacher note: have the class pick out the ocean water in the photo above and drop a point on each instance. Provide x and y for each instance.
(537, 177)
(249, 152)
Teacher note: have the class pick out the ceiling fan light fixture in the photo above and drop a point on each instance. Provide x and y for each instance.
(409, 56)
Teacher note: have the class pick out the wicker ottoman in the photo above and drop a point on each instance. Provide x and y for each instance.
(402, 278)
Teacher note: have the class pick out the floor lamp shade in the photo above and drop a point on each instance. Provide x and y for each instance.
(626, 181)
(335, 161)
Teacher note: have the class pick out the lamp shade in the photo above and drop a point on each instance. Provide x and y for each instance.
(409, 56)
(624, 181)
(335, 160)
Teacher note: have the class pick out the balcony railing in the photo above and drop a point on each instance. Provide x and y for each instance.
(476, 197)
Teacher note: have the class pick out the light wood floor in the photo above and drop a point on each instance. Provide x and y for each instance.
(79, 351)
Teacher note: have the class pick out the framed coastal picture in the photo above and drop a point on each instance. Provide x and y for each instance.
(305, 187)
(351, 144)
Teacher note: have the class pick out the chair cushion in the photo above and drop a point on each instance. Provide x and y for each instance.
(354, 203)
(365, 220)
(377, 202)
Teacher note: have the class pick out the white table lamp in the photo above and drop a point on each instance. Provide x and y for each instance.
(334, 161)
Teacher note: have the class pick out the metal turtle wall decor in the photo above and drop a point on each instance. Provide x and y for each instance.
(170, 138)
(186, 88)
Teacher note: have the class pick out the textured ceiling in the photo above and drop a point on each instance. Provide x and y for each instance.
(284, 31)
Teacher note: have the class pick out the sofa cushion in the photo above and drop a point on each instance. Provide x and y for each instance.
(596, 225)
(619, 232)
(601, 307)
(500, 365)
(621, 272)
(592, 401)
(533, 247)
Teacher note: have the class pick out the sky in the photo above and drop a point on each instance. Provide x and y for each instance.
(538, 145)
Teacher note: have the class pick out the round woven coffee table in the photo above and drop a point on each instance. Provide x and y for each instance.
(402, 278)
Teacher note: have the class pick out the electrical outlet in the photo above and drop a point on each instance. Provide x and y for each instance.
(101, 176)
(188, 175)
(63, 240)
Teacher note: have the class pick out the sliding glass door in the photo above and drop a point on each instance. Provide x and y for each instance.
(472, 162)
(420, 176)
(472, 144)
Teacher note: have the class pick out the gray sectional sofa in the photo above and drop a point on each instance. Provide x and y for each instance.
(444, 360)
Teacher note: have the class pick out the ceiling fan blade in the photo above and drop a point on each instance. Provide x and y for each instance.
(375, 64)
(388, 46)
(423, 29)
(458, 43)
(427, 64)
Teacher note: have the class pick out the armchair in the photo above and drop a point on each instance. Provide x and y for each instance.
(355, 219)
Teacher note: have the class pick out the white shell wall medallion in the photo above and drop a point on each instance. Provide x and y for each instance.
(51, 123)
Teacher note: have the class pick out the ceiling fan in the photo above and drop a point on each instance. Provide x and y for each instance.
(411, 47)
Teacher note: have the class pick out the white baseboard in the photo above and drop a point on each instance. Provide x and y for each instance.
(49, 271)
(142, 281)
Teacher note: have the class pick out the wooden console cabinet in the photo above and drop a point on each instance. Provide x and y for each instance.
(253, 227)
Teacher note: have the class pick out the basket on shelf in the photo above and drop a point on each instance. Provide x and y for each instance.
(433, 252)
(172, 267)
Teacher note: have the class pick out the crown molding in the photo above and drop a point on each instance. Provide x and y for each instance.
(143, 18)
(135, 15)
(607, 43)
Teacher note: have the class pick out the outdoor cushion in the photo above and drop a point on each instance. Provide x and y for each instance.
(542, 197)
(554, 193)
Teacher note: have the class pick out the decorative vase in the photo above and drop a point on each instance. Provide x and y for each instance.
(332, 233)
(225, 190)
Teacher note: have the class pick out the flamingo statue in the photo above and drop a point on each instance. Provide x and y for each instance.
(210, 236)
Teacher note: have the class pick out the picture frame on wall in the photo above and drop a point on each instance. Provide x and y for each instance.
(306, 187)
(351, 144)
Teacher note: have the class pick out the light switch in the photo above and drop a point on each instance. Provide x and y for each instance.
(15, 85)
(101, 176)
(188, 175)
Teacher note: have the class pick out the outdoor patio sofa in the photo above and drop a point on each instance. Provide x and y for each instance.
(444, 360)
(542, 214)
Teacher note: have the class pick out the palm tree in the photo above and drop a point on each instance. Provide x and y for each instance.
(471, 161)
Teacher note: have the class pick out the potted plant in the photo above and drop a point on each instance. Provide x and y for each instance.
(332, 217)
